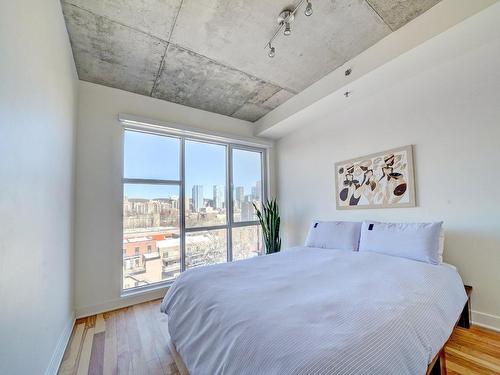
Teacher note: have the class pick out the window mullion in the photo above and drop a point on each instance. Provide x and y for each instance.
(206, 228)
(245, 223)
(229, 202)
(265, 183)
(150, 181)
(182, 200)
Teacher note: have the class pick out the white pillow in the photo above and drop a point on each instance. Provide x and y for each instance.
(441, 242)
(341, 235)
(418, 241)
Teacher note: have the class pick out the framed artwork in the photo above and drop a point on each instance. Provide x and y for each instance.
(380, 180)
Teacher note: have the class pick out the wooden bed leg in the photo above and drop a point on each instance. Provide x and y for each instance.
(438, 366)
(465, 317)
(442, 362)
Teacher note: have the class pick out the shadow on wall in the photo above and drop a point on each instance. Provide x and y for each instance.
(470, 244)
(475, 247)
(294, 234)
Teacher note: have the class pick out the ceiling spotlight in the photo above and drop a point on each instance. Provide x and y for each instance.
(272, 51)
(288, 28)
(309, 9)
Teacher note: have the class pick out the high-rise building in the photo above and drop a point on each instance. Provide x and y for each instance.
(197, 197)
(218, 196)
(239, 195)
(258, 191)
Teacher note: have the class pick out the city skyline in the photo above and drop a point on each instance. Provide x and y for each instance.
(152, 192)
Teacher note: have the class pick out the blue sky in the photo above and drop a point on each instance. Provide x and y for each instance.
(156, 157)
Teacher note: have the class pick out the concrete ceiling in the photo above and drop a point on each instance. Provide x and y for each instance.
(209, 54)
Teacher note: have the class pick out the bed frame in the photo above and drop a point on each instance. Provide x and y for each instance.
(436, 367)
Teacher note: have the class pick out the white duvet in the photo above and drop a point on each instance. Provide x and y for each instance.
(313, 311)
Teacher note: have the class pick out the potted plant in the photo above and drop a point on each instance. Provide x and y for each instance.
(269, 219)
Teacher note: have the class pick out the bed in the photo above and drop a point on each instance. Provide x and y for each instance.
(313, 311)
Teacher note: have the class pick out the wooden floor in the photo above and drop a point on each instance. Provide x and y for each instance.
(135, 340)
(473, 351)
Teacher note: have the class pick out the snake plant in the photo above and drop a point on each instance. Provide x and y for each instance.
(269, 219)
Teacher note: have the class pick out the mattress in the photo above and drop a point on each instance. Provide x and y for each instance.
(313, 311)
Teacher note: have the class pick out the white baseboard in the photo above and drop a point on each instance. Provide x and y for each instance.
(486, 320)
(62, 343)
(124, 301)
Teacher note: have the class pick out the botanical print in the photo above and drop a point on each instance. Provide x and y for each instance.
(379, 180)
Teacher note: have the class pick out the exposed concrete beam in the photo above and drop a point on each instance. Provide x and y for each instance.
(439, 18)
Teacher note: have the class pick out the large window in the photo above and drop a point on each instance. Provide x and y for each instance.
(187, 203)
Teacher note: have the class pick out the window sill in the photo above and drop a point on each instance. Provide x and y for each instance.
(146, 289)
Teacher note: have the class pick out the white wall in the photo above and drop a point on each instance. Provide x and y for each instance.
(444, 98)
(38, 88)
(98, 232)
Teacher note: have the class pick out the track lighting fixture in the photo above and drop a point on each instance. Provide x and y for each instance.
(285, 20)
(309, 9)
(272, 51)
